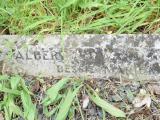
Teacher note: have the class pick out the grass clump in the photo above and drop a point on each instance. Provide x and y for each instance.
(61, 100)
(16, 100)
(79, 16)
(67, 102)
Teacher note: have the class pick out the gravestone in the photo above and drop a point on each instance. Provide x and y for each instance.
(98, 56)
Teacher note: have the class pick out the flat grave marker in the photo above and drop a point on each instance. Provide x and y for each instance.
(132, 56)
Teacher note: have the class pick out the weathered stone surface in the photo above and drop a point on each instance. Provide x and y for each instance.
(133, 56)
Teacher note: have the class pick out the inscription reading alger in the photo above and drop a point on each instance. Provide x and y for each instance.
(42, 57)
(41, 54)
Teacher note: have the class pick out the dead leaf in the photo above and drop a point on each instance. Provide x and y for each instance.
(117, 98)
(36, 86)
(155, 89)
(109, 32)
(142, 99)
(85, 101)
(153, 1)
(1, 116)
(4, 31)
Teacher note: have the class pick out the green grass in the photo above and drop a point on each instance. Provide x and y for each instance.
(60, 101)
(79, 16)
(14, 91)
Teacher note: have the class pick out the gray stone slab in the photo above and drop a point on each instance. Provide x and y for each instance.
(131, 56)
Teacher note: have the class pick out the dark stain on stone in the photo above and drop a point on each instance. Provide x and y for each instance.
(150, 43)
(117, 54)
(85, 57)
(109, 48)
(150, 54)
(133, 55)
(156, 67)
(140, 62)
(1, 66)
(59, 57)
(95, 40)
(155, 57)
(153, 54)
(136, 43)
(99, 59)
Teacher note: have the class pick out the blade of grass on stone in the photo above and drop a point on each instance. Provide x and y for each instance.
(65, 106)
(52, 92)
(104, 105)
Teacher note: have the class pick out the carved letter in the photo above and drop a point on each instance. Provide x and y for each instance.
(37, 55)
(27, 57)
(45, 54)
(19, 55)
